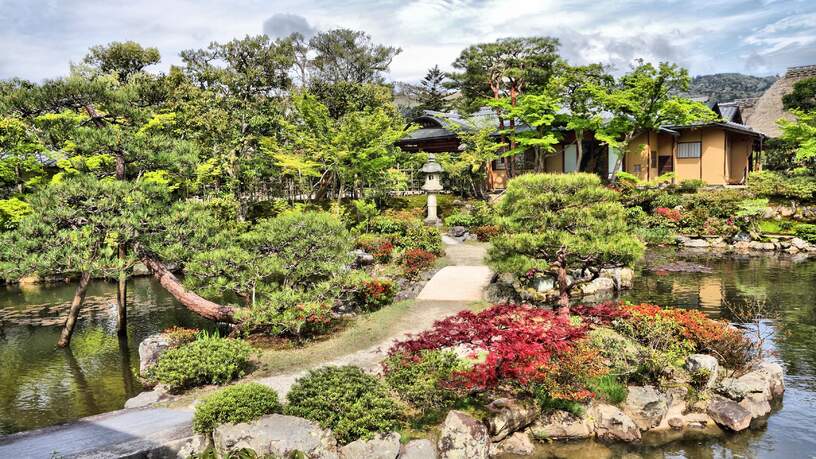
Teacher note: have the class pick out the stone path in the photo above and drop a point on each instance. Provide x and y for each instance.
(134, 432)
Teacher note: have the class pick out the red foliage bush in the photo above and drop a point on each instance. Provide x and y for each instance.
(485, 233)
(716, 337)
(379, 247)
(414, 261)
(600, 314)
(517, 344)
(670, 214)
(377, 293)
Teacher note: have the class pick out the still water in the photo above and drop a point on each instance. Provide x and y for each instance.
(788, 286)
(41, 385)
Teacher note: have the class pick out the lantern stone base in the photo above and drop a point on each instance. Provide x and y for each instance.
(432, 219)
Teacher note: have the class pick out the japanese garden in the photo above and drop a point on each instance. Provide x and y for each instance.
(268, 249)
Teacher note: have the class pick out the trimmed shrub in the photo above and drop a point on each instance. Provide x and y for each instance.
(414, 261)
(486, 232)
(460, 219)
(420, 236)
(691, 185)
(180, 335)
(239, 403)
(207, 360)
(377, 245)
(384, 224)
(346, 400)
(288, 312)
(806, 232)
(423, 380)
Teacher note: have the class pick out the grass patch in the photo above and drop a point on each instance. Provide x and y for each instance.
(609, 388)
(776, 226)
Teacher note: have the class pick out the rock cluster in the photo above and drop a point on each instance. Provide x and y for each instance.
(742, 243)
(513, 426)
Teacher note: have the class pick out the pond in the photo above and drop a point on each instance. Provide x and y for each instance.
(41, 385)
(788, 287)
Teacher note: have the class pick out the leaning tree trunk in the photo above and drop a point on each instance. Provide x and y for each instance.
(563, 283)
(73, 313)
(201, 306)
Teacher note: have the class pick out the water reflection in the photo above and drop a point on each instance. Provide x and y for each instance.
(41, 385)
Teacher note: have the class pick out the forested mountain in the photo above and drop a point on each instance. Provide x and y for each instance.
(723, 87)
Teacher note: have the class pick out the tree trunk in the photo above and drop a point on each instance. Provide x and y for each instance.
(563, 283)
(121, 295)
(579, 148)
(73, 313)
(201, 306)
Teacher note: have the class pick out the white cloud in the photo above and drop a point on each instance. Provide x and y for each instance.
(38, 38)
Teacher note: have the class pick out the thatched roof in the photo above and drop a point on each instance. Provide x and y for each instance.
(768, 108)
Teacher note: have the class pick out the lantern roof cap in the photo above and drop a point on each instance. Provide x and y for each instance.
(432, 166)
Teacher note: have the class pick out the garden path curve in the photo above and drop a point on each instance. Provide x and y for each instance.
(135, 432)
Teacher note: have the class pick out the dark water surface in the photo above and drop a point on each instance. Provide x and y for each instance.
(41, 385)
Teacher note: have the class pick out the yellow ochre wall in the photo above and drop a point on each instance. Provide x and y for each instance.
(713, 156)
(637, 154)
(738, 157)
(555, 161)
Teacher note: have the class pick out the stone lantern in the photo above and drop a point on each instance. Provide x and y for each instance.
(432, 171)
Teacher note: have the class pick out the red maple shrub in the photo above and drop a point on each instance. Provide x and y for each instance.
(414, 261)
(376, 293)
(601, 313)
(512, 346)
(670, 214)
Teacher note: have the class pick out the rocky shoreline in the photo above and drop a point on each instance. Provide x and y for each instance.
(744, 243)
(725, 403)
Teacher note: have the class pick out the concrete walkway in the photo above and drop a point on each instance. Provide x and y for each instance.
(135, 432)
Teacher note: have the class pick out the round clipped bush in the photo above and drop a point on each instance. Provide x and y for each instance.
(421, 381)
(346, 400)
(234, 404)
(207, 360)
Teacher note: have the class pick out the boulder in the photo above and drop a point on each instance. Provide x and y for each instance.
(765, 380)
(194, 446)
(508, 416)
(601, 284)
(362, 258)
(646, 406)
(742, 246)
(147, 398)
(742, 236)
(611, 424)
(150, 349)
(457, 231)
(623, 277)
(757, 405)
(561, 425)
(463, 437)
(697, 420)
(729, 414)
(695, 243)
(545, 284)
(418, 449)
(277, 436)
(799, 243)
(757, 245)
(697, 363)
(775, 376)
(518, 444)
(382, 446)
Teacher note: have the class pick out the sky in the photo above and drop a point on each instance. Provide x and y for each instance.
(39, 38)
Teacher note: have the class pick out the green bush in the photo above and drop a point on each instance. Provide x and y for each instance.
(383, 224)
(460, 219)
(207, 360)
(422, 383)
(691, 185)
(359, 291)
(609, 388)
(667, 200)
(346, 400)
(288, 312)
(807, 232)
(11, 212)
(420, 236)
(776, 185)
(234, 404)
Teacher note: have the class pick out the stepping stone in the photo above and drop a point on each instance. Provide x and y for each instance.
(457, 283)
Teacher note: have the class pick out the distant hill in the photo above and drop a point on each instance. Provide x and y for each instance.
(724, 87)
